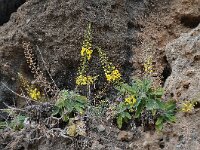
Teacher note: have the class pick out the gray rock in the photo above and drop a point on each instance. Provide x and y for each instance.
(101, 128)
(117, 148)
(8, 7)
(97, 146)
(183, 55)
(133, 146)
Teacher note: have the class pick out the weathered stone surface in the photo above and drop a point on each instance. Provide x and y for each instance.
(183, 55)
(187, 12)
(7, 7)
(57, 28)
(101, 128)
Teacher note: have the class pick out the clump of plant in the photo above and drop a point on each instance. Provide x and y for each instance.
(14, 121)
(70, 104)
(18, 122)
(135, 100)
(71, 107)
(140, 100)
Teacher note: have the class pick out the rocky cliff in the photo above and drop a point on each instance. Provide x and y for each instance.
(57, 28)
(128, 30)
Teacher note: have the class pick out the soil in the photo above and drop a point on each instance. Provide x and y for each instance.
(184, 134)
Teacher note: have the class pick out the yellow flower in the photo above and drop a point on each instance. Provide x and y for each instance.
(187, 106)
(131, 100)
(84, 80)
(34, 93)
(86, 52)
(113, 76)
(89, 53)
(83, 50)
(90, 79)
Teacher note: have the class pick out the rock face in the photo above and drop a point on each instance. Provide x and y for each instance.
(57, 28)
(188, 12)
(183, 55)
(7, 7)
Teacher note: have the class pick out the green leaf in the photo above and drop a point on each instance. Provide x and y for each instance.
(170, 106)
(119, 121)
(128, 88)
(55, 111)
(81, 99)
(146, 85)
(159, 127)
(2, 125)
(171, 118)
(78, 109)
(159, 120)
(154, 112)
(152, 104)
(69, 106)
(127, 115)
(65, 117)
(60, 103)
(161, 104)
(159, 92)
(139, 110)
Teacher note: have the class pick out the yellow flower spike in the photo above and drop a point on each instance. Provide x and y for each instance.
(111, 73)
(148, 66)
(30, 89)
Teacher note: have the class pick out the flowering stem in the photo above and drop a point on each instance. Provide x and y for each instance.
(89, 92)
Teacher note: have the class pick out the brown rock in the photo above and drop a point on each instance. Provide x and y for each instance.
(125, 136)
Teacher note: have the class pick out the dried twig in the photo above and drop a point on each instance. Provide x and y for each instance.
(50, 89)
(44, 63)
(14, 109)
(61, 132)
